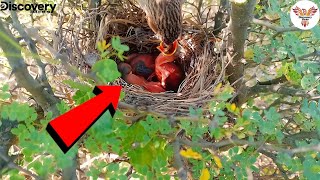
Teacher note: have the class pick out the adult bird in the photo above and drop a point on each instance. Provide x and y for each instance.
(164, 17)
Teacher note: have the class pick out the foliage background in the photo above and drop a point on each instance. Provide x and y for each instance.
(272, 132)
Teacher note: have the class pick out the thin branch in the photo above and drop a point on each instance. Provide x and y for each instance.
(32, 47)
(63, 57)
(261, 145)
(278, 80)
(274, 86)
(305, 149)
(273, 26)
(274, 159)
(277, 88)
(315, 53)
(12, 51)
(178, 161)
(290, 139)
(13, 165)
(315, 98)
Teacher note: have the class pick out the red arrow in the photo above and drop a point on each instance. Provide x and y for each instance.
(67, 129)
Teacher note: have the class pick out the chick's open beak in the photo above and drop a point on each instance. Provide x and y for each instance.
(168, 51)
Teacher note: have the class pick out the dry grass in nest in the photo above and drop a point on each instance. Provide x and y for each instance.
(204, 67)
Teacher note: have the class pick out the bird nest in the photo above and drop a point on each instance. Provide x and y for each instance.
(201, 58)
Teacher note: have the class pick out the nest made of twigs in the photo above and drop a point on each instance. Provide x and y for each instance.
(204, 67)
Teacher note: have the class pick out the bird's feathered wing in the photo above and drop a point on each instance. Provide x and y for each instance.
(164, 17)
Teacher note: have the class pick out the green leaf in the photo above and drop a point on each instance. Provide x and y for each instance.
(82, 96)
(78, 85)
(226, 94)
(309, 81)
(195, 112)
(116, 44)
(216, 132)
(291, 74)
(103, 126)
(294, 44)
(311, 168)
(284, 18)
(279, 136)
(316, 32)
(5, 88)
(311, 108)
(104, 54)
(4, 95)
(312, 67)
(63, 107)
(272, 115)
(106, 70)
(315, 169)
(259, 54)
(14, 175)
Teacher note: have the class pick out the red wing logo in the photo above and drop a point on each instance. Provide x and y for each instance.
(305, 15)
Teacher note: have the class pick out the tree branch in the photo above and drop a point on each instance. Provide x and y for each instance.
(276, 88)
(241, 16)
(12, 51)
(278, 80)
(63, 57)
(274, 159)
(290, 139)
(13, 165)
(32, 47)
(261, 145)
(182, 172)
(315, 53)
(273, 26)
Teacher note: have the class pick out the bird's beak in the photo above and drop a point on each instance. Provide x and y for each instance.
(160, 47)
(169, 52)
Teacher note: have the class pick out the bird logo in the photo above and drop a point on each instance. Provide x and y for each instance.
(305, 15)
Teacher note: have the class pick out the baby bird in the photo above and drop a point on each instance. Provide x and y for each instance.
(165, 19)
(131, 78)
(142, 64)
(168, 73)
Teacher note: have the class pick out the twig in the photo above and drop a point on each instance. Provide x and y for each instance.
(274, 27)
(12, 51)
(290, 139)
(73, 72)
(315, 98)
(258, 144)
(278, 80)
(13, 165)
(182, 172)
(277, 88)
(315, 53)
(32, 47)
(274, 159)
(305, 149)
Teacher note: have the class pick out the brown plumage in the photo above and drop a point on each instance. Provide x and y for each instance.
(164, 18)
